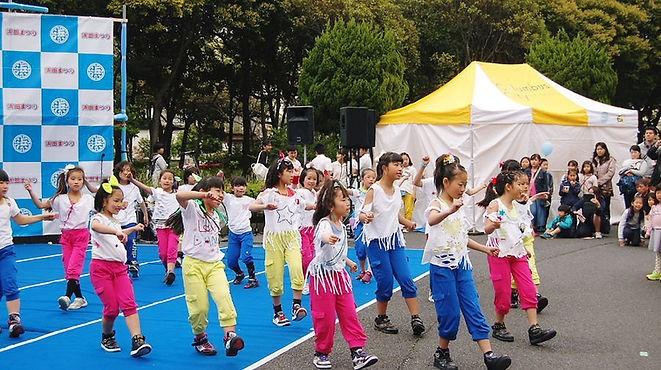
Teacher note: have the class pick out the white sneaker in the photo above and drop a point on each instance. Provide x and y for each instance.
(431, 297)
(306, 289)
(77, 304)
(64, 302)
(598, 236)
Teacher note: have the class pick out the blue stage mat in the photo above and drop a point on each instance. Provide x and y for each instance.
(72, 339)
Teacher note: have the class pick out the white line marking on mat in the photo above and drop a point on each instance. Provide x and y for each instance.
(311, 334)
(88, 323)
(44, 257)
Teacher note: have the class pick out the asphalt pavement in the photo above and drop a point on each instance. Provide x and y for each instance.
(606, 314)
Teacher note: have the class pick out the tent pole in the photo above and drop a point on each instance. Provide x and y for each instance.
(472, 169)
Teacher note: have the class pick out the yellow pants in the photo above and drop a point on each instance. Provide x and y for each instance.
(409, 205)
(529, 244)
(280, 248)
(200, 279)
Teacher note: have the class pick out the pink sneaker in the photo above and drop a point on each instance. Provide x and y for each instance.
(367, 277)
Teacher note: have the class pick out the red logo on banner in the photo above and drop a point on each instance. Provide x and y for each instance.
(59, 143)
(95, 36)
(96, 108)
(21, 32)
(22, 106)
(60, 70)
(20, 180)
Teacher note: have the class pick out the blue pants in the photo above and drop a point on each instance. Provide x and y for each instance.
(454, 292)
(389, 264)
(239, 245)
(131, 249)
(540, 214)
(8, 271)
(359, 245)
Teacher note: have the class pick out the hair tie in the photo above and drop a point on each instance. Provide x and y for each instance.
(196, 177)
(494, 181)
(68, 168)
(112, 182)
(501, 164)
(447, 159)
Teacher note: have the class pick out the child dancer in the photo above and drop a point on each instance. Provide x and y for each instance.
(8, 283)
(507, 224)
(202, 267)
(73, 208)
(282, 207)
(331, 293)
(385, 244)
(450, 267)
(191, 177)
(108, 270)
(405, 183)
(127, 216)
(631, 223)
(368, 176)
(165, 204)
(240, 239)
(653, 232)
(309, 195)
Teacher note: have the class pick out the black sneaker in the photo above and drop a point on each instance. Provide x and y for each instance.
(108, 342)
(542, 302)
(139, 347)
(233, 344)
(417, 325)
(134, 269)
(538, 335)
(15, 326)
(180, 259)
(169, 278)
(499, 331)
(383, 324)
(362, 359)
(496, 362)
(252, 283)
(442, 360)
(239, 278)
(515, 299)
(298, 312)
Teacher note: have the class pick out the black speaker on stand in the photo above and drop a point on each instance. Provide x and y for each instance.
(300, 127)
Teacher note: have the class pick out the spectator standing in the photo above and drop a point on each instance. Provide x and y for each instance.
(158, 163)
(604, 169)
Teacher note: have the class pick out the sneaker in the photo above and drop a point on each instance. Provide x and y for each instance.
(383, 324)
(233, 344)
(306, 289)
(64, 302)
(598, 236)
(654, 276)
(77, 304)
(279, 319)
(417, 325)
(496, 362)
(15, 326)
(252, 283)
(169, 278)
(239, 279)
(298, 312)
(367, 277)
(542, 302)
(514, 300)
(203, 346)
(430, 298)
(499, 331)
(134, 269)
(108, 342)
(321, 361)
(538, 335)
(360, 276)
(362, 359)
(442, 360)
(139, 347)
(547, 236)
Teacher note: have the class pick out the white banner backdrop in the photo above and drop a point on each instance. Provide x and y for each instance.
(56, 92)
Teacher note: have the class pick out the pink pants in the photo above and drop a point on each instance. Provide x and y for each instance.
(114, 287)
(502, 270)
(74, 246)
(168, 242)
(307, 247)
(326, 306)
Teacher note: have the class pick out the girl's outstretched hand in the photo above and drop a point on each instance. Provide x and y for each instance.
(271, 206)
(49, 216)
(352, 265)
(28, 186)
(121, 236)
(333, 239)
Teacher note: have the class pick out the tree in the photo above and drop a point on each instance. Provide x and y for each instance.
(352, 64)
(578, 64)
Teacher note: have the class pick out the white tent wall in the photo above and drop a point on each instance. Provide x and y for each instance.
(493, 143)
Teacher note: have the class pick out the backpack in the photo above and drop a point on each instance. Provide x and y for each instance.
(627, 184)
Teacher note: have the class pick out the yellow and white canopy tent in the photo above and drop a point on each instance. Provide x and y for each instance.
(492, 112)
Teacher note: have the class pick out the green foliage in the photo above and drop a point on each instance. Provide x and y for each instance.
(352, 64)
(578, 64)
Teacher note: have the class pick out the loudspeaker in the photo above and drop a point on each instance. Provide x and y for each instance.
(300, 125)
(354, 127)
(371, 128)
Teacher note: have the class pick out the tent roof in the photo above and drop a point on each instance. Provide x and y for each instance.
(506, 93)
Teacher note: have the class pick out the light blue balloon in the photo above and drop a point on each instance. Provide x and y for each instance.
(547, 148)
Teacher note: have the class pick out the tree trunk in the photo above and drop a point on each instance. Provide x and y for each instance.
(169, 130)
(184, 142)
(230, 132)
(155, 129)
(245, 102)
(262, 114)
